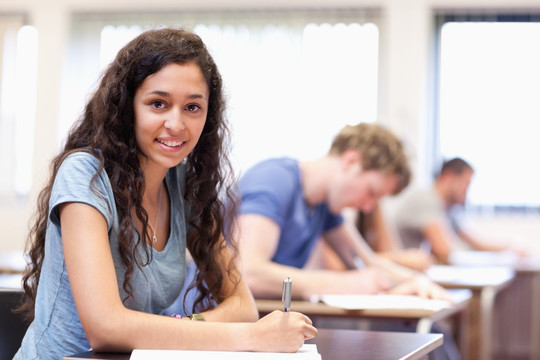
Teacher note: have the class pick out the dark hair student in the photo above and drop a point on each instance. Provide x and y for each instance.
(137, 190)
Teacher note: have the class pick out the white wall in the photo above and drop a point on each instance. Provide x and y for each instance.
(405, 69)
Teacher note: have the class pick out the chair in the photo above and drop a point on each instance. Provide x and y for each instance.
(12, 326)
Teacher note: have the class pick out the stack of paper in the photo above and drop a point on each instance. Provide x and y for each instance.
(306, 352)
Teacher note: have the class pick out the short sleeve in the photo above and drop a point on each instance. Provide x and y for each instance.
(73, 183)
(419, 208)
(268, 189)
(332, 221)
(428, 210)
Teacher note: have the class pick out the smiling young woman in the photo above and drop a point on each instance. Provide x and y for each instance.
(135, 191)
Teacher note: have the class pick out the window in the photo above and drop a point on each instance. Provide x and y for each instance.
(292, 80)
(291, 91)
(488, 111)
(18, 59)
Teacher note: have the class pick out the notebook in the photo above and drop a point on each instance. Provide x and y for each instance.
(306, 352)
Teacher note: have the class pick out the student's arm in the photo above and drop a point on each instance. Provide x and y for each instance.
(348, 244)
(110, 326)
(387, 245)
(480, 245)
(239, 304)
(439, 237)
(258, 238)
(386, 239)
(415, 259)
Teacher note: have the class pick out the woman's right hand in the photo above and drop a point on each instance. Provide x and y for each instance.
(282, 331)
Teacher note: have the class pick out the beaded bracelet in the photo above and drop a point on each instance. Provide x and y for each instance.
(178, 316)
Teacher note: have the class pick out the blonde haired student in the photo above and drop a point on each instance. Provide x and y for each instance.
(287, 205)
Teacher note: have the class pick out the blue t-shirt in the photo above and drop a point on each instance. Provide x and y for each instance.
(273, 188)
(56, 330)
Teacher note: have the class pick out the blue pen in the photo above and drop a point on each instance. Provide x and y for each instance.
(286, 295)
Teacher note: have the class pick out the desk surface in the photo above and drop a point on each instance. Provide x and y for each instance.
(347, 345)
(523, 266)
(471, 277)
(489, 258)
(461, 298)
(485, 281)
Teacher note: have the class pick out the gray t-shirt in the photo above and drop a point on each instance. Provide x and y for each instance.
(415, 209)
(56, 330)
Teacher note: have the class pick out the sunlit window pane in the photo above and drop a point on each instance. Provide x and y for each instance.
(113, 39)
(291, 89)
(26, 90)
(18, 109)
(489, 108)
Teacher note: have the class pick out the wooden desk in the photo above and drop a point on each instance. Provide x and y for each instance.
(12, 325)
(531, 268)
(527, 271)
(346, 345)
(424, 318)
(485, 283)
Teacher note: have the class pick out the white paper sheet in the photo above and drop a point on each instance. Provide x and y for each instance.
(483, 258)
(306, 352)
(484, 275)
(383, 301)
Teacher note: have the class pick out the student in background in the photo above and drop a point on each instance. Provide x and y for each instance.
(136, 187)
(287, 205)
(378, 234)
(382, 238)
(424, 218)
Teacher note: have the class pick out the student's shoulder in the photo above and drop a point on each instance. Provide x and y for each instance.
(80, 161)
(275, 171)
(283, 165)
(420, 204)
(416, 194)
(81, 157)
(269, 187)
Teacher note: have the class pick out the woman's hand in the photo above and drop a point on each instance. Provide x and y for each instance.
(282, 331)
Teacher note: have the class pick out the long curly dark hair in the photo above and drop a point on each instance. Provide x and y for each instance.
(106, 130)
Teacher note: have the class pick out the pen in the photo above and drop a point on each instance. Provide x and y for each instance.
(286, 295)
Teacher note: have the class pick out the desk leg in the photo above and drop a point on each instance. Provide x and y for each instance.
(535, 317)
(473, 327)
(461, 324)
(487, 299)
(424, 326)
